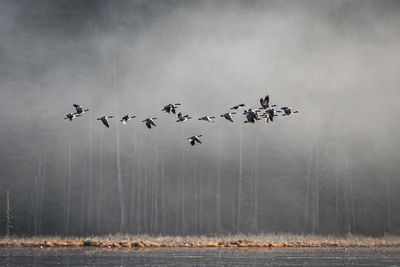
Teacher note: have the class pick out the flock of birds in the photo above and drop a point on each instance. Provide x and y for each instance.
(267, 112)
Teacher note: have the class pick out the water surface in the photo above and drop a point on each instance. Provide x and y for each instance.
(200, 256)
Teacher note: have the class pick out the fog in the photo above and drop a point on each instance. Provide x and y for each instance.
(330, 169)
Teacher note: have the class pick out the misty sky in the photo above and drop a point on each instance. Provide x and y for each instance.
(337, 62)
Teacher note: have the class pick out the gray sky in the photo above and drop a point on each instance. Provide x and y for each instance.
(337, 62)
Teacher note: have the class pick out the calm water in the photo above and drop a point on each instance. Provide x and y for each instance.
(200, 256)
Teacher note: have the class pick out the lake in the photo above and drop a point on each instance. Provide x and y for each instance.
(200, 256)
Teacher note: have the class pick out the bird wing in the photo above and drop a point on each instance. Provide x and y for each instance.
(197, 139)
(267, 100)
(78, 108)
(148, 124)
(105, 122)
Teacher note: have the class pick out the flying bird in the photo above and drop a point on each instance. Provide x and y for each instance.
(265, 103)
(182, 118)
(71, 116)
(228, 116)
(250, 118)
(170, 108)
(270, 114)
(253, 113)
(105, 121)
(194, 139)
(207, 118)
(79, 109)
(288, 111)
(126, 118)
(238, 106)
(149, 122)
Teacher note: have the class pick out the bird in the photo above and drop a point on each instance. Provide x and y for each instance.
(207, 118)
(149, 122)
(269, 115)
(126, 118)
(71, 116)
(288, 111)
(105, 121)
(250, 118)
(253, 113)
(170, 107)
(238, 106)
(265, 103)
(182, 118)
(228, 116)
(194, 139)
(79, 109)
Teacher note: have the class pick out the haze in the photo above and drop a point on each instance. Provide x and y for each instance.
(330, 169)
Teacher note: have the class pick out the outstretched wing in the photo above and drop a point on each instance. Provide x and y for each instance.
(105, 122)
(78, 108)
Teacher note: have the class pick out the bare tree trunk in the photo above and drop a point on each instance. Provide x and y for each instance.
(154, 207)
(68, 189)
(255, 212)
(8, 214)
(133, 186)
(387, 190)
(316, 227)
(337, 201)
(83, 194)
(199, 201)
(218, 190)
(117, 141)
(90, 181)
(138, 199)
(42, 178)
(163, 195)
(307, 205)
(145, 197)
(239, 211)
(182, 186)
(99, 214)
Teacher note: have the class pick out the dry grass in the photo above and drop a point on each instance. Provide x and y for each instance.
(239, 240)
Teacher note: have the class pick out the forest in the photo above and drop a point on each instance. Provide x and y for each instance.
(333, 168)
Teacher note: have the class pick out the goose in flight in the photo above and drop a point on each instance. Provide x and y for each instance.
(250, 118)
(270, 114)
(71, 116)
(105, 121)
(253, 113)
(228, 116)
(238, 106)
(194, 139)
(170, 107)
(288, 111)
(182, 118)
(207, 118)
(265, 103)
(149, 122)
(126, 118)
(79, 109)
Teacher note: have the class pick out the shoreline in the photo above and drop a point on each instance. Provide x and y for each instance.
(258, 241)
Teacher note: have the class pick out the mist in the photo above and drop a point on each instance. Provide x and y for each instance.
(330, 169)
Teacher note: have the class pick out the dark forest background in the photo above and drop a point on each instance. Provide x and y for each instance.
(333, 168)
